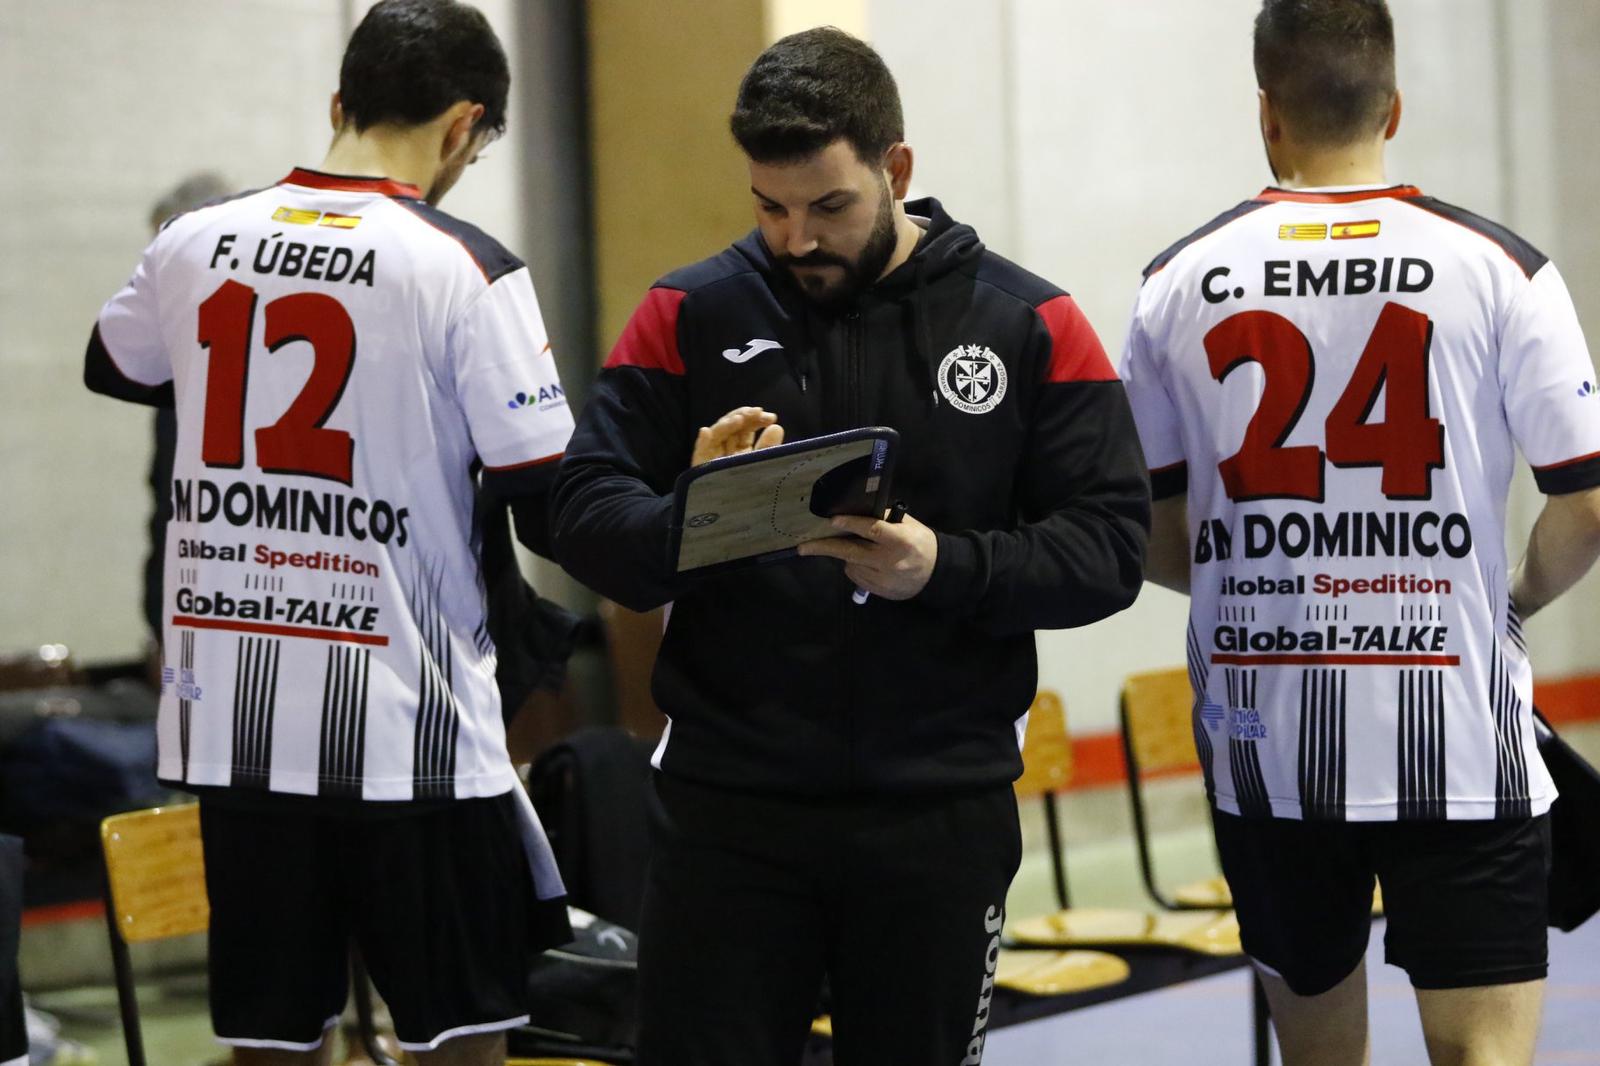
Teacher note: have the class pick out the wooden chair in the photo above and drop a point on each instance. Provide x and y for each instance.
(156, 888)
(1047, 762)
(1158, 739)
(1157, 712)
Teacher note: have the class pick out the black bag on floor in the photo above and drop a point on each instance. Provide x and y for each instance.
(582, 996)
(589, 791)
(1574, 838)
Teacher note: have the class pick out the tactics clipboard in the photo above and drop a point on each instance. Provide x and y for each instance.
(761, 506)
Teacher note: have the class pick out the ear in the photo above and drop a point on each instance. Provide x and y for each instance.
(336, 112)
(1394, 118)
(898, 162)
(462, 119)
(1271, 128)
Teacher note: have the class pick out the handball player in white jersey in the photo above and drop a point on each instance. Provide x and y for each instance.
(344, 359)
(1332, 381)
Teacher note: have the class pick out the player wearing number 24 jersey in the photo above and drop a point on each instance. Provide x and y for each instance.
(1332, 381)
(1340, 378)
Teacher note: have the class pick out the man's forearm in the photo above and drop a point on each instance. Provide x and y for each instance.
(1564, 545)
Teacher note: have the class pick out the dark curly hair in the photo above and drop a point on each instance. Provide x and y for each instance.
(809, 90)
(410, 60)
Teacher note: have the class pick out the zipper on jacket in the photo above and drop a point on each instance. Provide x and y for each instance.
(853, 405)
(852, 365)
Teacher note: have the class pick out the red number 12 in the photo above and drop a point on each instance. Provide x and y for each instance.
(298, 442)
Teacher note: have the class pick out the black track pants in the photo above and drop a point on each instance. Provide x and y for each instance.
(751, 900)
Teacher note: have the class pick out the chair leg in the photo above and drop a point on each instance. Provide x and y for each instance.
(361, 989)
(1058, 858)
(1261, 1017)
(127, 999)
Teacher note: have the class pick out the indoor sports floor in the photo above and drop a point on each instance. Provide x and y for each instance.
(1203, 1023)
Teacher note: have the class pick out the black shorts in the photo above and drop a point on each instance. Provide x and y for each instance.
(1466, 901)
(439, 899)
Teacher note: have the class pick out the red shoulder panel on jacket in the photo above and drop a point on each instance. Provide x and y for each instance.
(650, 339)
(1075, 351)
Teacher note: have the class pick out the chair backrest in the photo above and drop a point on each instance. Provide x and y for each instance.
(1157, 715)
(1047, 759)
(157, 872)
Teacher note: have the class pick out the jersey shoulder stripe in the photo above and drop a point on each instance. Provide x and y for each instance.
(1234, 213)
(492, 258)
(1528, 258)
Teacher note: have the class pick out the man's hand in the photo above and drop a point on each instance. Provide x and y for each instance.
(892, 560)
(742, 429)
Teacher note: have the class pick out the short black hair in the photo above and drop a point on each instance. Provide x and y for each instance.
(809, 90)
(410, 60)
(1327, 65)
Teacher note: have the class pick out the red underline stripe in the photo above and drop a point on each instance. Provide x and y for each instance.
(1541, 469)
(1297, 659)
(237, 626)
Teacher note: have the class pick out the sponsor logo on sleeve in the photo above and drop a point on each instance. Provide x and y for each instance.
(543, 398)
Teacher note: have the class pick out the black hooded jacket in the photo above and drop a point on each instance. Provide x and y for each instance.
(1029, 470)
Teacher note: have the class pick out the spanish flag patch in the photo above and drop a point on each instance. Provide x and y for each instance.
(1345, 231)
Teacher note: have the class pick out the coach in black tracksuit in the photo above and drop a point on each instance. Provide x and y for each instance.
(834, 788)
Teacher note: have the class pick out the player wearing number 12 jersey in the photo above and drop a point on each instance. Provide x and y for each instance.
(343, 357)
(1331, 381)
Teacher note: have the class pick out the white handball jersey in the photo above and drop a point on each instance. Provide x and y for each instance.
(1341, 378)
(341, 356)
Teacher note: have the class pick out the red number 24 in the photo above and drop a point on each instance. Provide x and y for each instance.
(1408, 444)
(298, 442)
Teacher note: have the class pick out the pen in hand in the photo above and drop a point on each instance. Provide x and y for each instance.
(896, 513)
